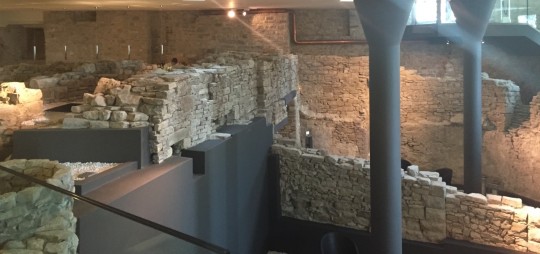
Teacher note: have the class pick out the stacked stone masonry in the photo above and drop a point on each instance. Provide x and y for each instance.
(335, 190)
(185, 105)
(34, 219)
(17, 105)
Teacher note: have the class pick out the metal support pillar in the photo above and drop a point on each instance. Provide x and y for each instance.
(472, 17)
(384, 23)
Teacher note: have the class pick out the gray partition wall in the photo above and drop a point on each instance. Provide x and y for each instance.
(83, 145)
(227, 205)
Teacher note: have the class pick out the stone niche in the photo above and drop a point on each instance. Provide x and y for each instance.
(34, 219)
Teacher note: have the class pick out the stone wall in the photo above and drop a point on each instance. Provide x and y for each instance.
(184, 106)
(11, 38)
(335, 190)
(187, 35)
(511, 158)
(112, 31)
(17, 105)
(69, 86)
(334, 102)
(35, 219)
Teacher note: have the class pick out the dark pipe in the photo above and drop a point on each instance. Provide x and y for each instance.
(472, 17)
(315, 42)
(384, 24)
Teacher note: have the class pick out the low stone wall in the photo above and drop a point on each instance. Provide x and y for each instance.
(17, 105)
(35, 219)
(68, 86)
(185, 105)
(335, 190)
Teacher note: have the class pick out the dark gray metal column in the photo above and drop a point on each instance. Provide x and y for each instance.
(384, 23)
(472, 17)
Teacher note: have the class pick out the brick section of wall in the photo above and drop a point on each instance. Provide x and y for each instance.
(187, 35)
(112, 31)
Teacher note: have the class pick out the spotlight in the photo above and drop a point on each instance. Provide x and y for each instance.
(244, 13)
(231, 14)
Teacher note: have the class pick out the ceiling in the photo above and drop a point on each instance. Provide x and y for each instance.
(37, 5)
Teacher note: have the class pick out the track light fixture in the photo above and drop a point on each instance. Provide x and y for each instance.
(231, 13)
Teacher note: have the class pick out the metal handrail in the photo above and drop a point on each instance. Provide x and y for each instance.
(182, 236)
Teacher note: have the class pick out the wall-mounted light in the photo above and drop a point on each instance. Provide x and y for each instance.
(231, 13)
(129, 51)
(65, 52)
(309, 139)
(447, 42)
(244, 13)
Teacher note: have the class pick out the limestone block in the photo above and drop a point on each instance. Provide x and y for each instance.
(88, 98)
(104, 115)
(494, 199)
(86, 68)
(7, 201)
(438, 189)
(417, 212)
(91, 115)
(477, 198)
(29, 95)
(534, 217)
(424, 181)
(14, 244)
(177, 136)
(534, 246)
(413, 170)
(29, 195)
(513, 202)
(110, 99)
(99, 124)
(154, 101)
(139, 124)
(98, 101)
(127, 99)
(437, 215)
(34, 243)
(43, 82)
(119, 125)
(118, 116)
(129, 108)
(61, 247)
(105, 84)
(21, 251)
(80, 108)
(435, 202)
(137, 116)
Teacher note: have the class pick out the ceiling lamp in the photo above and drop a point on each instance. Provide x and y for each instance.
(231, 13)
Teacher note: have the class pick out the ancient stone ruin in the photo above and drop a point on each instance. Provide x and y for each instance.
(35, 219)
(184, 106)
(335, 190)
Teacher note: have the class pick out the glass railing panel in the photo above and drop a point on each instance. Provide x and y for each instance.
(504, 11)
(42, 217)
